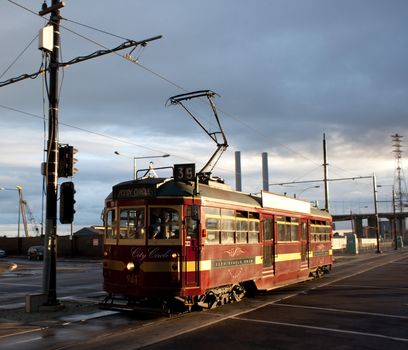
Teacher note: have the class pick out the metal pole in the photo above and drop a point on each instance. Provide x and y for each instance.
(238, 174)
(134, 168)
(394, 220)
(325, 179)
(49, 275)
(265, 172)
(19, 211)
(377, 223)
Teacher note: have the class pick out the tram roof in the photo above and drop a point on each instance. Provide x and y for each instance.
(165, 187)
(162, 187)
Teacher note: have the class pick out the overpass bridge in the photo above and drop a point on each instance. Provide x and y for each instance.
(357, 220)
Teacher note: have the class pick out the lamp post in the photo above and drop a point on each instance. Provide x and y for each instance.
(394, 214)
(136, 158)
(307, 188)
(18, 188)
(377, 221)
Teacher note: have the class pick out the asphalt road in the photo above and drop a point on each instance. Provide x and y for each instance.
(361, 304)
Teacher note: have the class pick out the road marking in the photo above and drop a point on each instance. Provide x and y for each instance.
(344, 311)
(334, 330)
(37, 329)
(84, 317)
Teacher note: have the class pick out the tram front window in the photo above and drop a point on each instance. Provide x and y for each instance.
(164, 223)
(132, 223)
(110, 231)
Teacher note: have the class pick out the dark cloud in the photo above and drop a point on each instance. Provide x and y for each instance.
(287, 72)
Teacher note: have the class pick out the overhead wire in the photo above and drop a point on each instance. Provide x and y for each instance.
(18, 57)
(83, 129)
(161, 76)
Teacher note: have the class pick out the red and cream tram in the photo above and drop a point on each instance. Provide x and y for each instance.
(174, 242)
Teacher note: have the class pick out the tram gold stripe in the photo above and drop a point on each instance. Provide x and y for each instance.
(169, 266)
(287, 257)
(114, 265)
(159, 266)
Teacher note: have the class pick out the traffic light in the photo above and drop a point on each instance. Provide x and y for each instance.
(66, 161)
(67, 202)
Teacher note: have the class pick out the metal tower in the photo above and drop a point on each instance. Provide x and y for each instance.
(400, 186)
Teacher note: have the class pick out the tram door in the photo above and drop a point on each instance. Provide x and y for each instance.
(191, 259)
(304, 244)
(268, 244)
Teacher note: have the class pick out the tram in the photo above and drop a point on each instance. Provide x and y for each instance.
(190, 240)
(203, 244)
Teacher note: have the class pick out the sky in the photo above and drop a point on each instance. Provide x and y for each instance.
(287, 72)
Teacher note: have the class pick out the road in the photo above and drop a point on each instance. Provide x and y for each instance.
(361, 304)
(75, 278)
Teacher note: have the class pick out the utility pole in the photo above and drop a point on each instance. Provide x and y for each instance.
(51, 171)
(325, 179)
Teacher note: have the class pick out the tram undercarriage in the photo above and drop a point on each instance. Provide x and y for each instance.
(212, 298)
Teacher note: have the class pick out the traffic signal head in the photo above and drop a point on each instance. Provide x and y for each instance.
(66, 161)
(67, 202)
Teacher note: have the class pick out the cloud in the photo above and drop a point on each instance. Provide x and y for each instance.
(287, 72)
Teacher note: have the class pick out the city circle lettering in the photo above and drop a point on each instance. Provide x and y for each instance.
(140, 254)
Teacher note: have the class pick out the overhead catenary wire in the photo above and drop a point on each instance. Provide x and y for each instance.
(18, 57)
(161, 76)
(83, 129)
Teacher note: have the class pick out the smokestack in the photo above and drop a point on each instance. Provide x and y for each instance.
(238, 175)
(265, 173)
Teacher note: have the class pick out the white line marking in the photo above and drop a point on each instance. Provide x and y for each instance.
(322, 329)
(344, 311)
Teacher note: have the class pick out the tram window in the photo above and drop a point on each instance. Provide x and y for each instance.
(227, 237)
(241, 222)
(267, 229)
(303, 231)
(253, 233)
(164, 223)
(227, 230)
(241, 237)
(294, 232)
(191, 224)
(253, 237)
(213, 237)
(281, 231)
(132, 223)
(110, 230)
(213, 226)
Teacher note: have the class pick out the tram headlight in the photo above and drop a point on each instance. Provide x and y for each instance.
(174, 255)
(130, 266)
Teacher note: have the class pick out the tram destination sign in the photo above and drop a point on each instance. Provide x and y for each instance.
(184, 172)
(134, 192)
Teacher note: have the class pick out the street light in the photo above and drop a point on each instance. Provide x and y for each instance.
(18, 188)
(307, 188)
(394, 220)
(377, 221)
(136, 158)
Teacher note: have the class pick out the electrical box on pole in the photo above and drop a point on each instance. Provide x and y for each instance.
(46, 38)
(67, 202)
